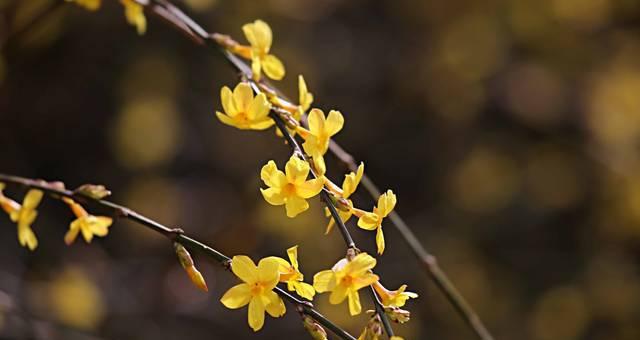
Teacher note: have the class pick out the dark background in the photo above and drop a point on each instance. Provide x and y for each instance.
(508, 129)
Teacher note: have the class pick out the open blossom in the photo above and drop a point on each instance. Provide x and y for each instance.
(349, 186)
(90, 5)
(291, 187)
(259, 35)
(290, 273)
(345, 279)
(24, 215)
(134, 12)
(243, 110)
(393, 298)
(85, 223)
(321, 129)
(256, 290)
(373, 221)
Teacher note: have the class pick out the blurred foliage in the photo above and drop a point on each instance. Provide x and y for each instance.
(509, 130)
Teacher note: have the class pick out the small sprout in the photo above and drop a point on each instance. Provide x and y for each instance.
(315, 330)
(94, 191)
(188, 265)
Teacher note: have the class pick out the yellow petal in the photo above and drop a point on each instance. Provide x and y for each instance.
(351, 181)
(296, 170)
(305, 290)
(368, 221)
(316, 121)
(386, 203)
(293, 256)
(256, 314)
(361, 264)
(100, 225)
(273, 196)
(237, 296)
(271, 176)
(32, 199)
(259, 35)
(86, 230)
(310, 188)
(275, 307)
(226, 119)
(228, 105)
(324, 281)
(27, 238)
(259, 107)
(256, 67)
(196, 278)
(305, 98)
(338, 294)
(334, 122)
(273, 67)
(354, 303)
(321, 167)
(244, 268)
(71, 235)
(365, 280)
(242, 97)
(295, 205)
(261, 124)
(268, 274)
(380, 240)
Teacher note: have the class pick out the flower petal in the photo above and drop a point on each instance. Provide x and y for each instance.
(324, 281)
(380, 240)
(226, 119)
(268, 274)
(256, 67)
(305, 290)
(360, 264)
(271, 176)
(296, 170)
(256, 314)
(273, 67)
(316, 121)
(354, 302)
(244, 268)
(275, 307)
(338, 294)
(368, 221)
(310, 188)
(228, 105)
(386, 203)
(261, 124)
(242, 96)
(259, 107)
(295, 205)
(273, 196)
(237, 296)
(334, 122)
(72, 234)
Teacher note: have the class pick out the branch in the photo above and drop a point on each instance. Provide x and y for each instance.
(173, 234)
(183, 23)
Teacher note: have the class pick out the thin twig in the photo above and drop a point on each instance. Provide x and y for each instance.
(173, 234)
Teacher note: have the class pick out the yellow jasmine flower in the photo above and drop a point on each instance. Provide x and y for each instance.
(393, 298)
(371, 221)
(243, 110)
(88, 224)
(189, 266)
(345, 279)
(260, 37)
(291, 187)
(24, 215)
(134, 12)
(290, 274)
(256, 290)
(320, 131)
(349, 186)
(90, 5)
(305, 98)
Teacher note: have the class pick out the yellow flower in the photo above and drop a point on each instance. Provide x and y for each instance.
(256, 290)
(243, 111)
(393, 298)
(345, 279)
(395, 337)
(8, 205)
(260, 37)
(371, 221)
(24, 215)
(134, 12)
(90, 5)
(291, 189)
(290, 274)
(305, 97)
(320, 131)
(88, 224)
(189, 266)
(349, 186)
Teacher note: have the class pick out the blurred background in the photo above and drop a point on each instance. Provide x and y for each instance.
(508, 129)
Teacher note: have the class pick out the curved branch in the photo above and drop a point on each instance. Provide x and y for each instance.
(173, 234)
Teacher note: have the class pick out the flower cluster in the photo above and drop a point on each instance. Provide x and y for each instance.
(253, 105)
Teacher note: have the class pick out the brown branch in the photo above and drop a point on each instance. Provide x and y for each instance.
(55, 191)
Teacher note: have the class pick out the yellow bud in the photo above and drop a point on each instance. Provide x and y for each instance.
(187, 264)
(315, 330)
(93, 191)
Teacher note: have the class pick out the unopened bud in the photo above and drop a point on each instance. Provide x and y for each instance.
(94, 191)
(187, 264)
(315, 330)
(396, 314)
